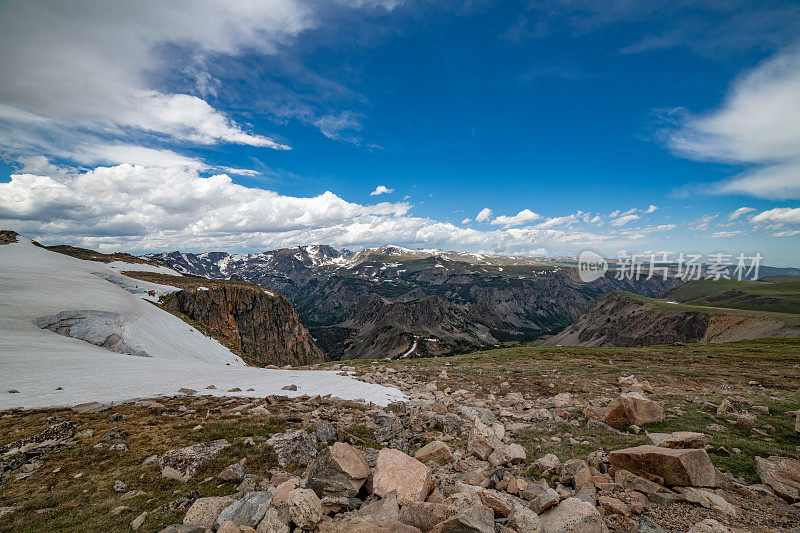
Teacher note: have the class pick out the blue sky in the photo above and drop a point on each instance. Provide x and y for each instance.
(610, 126)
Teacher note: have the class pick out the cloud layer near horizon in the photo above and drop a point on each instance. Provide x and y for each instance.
(148, 208)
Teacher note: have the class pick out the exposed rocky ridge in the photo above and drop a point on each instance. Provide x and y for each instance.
(618, 319)
(482, 301)
(425, 326)
(8, 236)
(93, 255)
(262, 327)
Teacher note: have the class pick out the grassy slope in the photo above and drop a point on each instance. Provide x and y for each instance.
(791, 318)
(781, 297)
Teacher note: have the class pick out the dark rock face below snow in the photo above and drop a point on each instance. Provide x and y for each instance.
(101, 328)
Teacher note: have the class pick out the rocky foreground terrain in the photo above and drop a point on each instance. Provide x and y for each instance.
(700, 438)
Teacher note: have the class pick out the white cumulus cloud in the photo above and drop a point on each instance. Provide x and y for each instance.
(759, 124)
(739, 212)
(381, 189)
(523, 217)
(484, 215)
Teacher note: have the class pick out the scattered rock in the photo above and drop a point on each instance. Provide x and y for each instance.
(305, 508)
(548, 464)
(436, 451)
(482, 440)
(476, 519)
(782, 475)
(572, 515)
(688, 468)
(248, 511)
(397, 472)
(326, 433)
(633, 409)
(232, 472)
(338, 471)
(678, 439)
(184, 463)
(204, 511)
(709, 525)
(293, 448)
(425, 515)
(734, 405)
(139, 521)
(709, 500)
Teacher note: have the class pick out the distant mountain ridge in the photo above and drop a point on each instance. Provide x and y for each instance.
(392, 301)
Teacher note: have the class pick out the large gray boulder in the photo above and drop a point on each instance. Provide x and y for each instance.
(248, 511)
(293, 447)
(184, 463)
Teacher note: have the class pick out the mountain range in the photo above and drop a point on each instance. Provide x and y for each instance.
(394, 302)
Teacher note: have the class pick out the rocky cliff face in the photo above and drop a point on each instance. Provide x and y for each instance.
(261, 325)
(618, 319)
(427, 326)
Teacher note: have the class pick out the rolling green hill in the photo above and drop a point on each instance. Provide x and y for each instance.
(778, 297)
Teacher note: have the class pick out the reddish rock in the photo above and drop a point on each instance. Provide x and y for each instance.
(397, 472)
(633, 409)
(782, 474)
(687, 468)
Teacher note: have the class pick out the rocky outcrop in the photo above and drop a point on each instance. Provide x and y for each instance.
(622, 319)
(260, 325)
(426, 326)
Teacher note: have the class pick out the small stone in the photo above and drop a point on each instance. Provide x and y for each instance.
(204, 511)
(139, 521)
(119, 486)
(305, 508)
(436, 451)
(232, 472)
